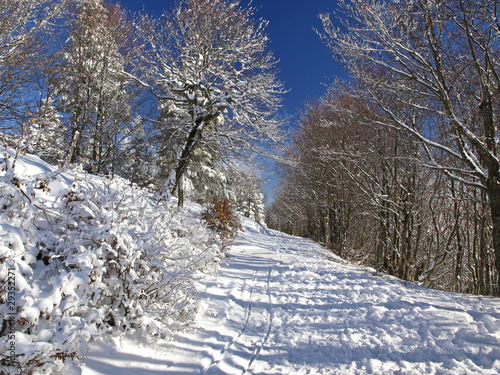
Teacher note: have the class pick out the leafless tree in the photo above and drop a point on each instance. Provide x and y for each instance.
(24, 31)
(360, 188)
(90, 85)
(439, 60)
(208, 61)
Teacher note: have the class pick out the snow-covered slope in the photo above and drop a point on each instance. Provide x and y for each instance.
(83, 257)
(280, 306)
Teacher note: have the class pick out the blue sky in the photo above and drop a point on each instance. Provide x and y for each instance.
(306, 64)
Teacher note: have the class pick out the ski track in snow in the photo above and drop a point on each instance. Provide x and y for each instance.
(279, 306)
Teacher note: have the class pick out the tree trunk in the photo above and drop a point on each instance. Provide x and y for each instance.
(189, 147)
(72, 147)
(494, 195)
(187, 152)
(180, 195)
(457, 277)
(493, 181)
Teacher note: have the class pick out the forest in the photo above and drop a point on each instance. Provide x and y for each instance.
(396, 167)
(88, 83)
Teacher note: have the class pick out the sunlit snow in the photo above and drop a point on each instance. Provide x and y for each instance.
(284, 305)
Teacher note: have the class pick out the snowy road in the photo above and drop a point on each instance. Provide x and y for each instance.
(280, 306)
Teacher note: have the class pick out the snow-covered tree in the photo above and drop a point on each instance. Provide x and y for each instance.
(206, 176)
(358, 187)
(136, 159)
(91, 87)
(209, 59)
(24, 32)
(45, 133)
(247, 196)
(439, 61)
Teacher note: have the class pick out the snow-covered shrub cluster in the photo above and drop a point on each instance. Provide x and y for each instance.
(89, 255)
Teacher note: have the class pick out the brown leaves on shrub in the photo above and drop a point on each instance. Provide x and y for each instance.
(222, 219)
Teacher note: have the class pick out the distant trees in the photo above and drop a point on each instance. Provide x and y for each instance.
(360, 188)
(246, 193)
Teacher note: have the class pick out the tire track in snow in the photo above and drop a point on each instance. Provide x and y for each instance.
(248, 312)
(258, 349)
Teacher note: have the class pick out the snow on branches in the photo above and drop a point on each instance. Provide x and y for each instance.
(90, 255)
(209, 61)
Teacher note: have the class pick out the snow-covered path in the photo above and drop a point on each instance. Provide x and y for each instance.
(279, 306)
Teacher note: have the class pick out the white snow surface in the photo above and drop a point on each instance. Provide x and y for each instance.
(285, 305)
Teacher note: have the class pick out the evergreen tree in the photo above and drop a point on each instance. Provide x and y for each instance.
(136, 159)
(46, 133)
(206, 177)
(247, 198)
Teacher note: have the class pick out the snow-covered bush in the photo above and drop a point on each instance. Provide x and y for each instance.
(142, 256)
(89, 255)
(40, 327)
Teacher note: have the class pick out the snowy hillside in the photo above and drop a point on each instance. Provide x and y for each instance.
(83, 256)
(283, 305)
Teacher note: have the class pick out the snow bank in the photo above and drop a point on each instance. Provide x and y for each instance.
(81, 256)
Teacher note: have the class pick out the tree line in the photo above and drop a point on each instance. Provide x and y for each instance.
(171, 102)
(397, 166)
